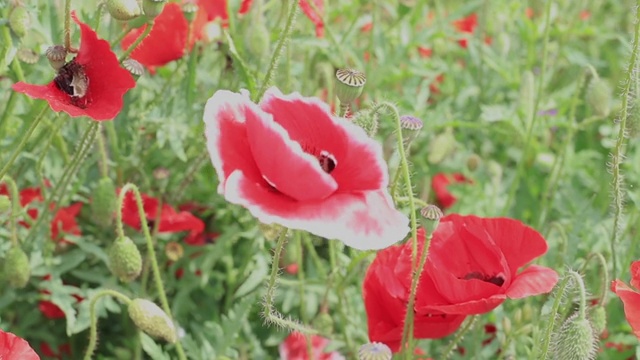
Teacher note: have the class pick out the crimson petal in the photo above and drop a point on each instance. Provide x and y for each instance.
(631, 301)
(534, 280)
(14, 348)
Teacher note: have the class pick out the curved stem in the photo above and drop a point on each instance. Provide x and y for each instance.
(604, 275)
(150, 252)
(459, 335)
(18, 149)
(93, 328)
(135, 44)
(275, 59)
(582, 293)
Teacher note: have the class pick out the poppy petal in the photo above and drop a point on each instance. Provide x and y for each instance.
(631, 301)
(635, 274)
(13, 347)
(309, 122)
(364, 221)
(473, 307)
(534, 280)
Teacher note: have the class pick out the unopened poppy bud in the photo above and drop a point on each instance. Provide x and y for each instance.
(258, 40)
(151, 319)
(411, 123)
(152, 8)
(189, 9)
(5, 203)
(442, 146)
(598, 317)
(575, 340)
(349, 84)
(27, 56)
(57, 56)
(124, 10)
(323, 323)
(16, 269)
(125, 261)
(374, 351)
(134, 67)
(104, 203)
(368, 121)
(599, 97)
(174, 251)
(473, 161)
(20, 21)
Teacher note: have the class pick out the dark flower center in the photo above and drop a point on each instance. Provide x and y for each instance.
(494, 279)
(327, 162)
(73, 80)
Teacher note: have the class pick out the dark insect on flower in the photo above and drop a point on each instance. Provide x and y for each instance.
(73, 80)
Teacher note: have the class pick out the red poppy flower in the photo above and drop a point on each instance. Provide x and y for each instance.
(165, 43)
(630, 298)
(91, 84)
(386, 289)
(484, 272)
(170, 220)
(48, 308)
(65, 221)
(425, 52)
(289, 161)
(315, 17)
(585, 15)
(294, 347)
(27, 196)
(440, 183)
(219, 9)
(366, 27)
(15, 348)
(467, 24)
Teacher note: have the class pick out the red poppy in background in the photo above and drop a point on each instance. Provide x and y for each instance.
(62, 352)
(425, 52)
(630, 298)
(440, 183)
(15, 348)
(171, 221)
(27, 196)
(290, 161)
(48, 308)
(386, 289)
(93, 83)
(468, 25)
(219, 9)
(484, 272)
(65, 222)
(315, 17)
(294, 347)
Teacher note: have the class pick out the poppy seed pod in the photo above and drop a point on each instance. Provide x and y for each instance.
(575, 340)
(189, 9)
(27, 56)
(599, 97)
(374, 351)
(20, 21)
(125, 260)
(16, 268)
(412, 123)
(104, 203)
(152, 8)
(134, 67)
(349, 84)
(57, 56)
(124, 10)
(151, 319)
(5, 203)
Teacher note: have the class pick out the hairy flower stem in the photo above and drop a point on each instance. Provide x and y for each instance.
(618, 152)
(269, 312)
(23, 142)
(67, 25)
(533, 115)
(93, 328)
(151, 253)
(285, 35)
(104, 158)
(459, 336)
(135, 44)
(15, 208)
(543, 352)
(604, 274)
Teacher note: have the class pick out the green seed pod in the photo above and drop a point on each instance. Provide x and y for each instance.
(16, 269)
(57, 56)
(473, 161)
(134, 67)
(258, 40)
(349, 84)
(442, 146)
(598, 317)
(27, 56)
(124, 10)
(189, 10)
(575, 340)
(125, 261)
(152, 8)
(20, 21)
(104, 203)
(599, 97)
(5, 203)
(151, 319)
(374, 351)
(324, 323)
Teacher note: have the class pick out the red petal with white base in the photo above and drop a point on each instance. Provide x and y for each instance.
(364, 221)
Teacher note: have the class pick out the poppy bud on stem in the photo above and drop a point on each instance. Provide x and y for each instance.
(93, 327)
(349, 86)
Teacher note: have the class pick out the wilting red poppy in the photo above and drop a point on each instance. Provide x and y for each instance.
(65, 222)
(15, 348)
(91, 84)
(290, 162)
(294, 347)
(630, 298)
(386, 289)
(440, 183)
(315, 17)
(171, 221)
(484, 272)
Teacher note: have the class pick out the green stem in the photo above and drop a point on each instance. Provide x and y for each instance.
(553, 316)
(18, 149)
(11, 103)
(135, 44)
(275, 59)
(459, 335)
(104, 158)
(534, 114)
(15, 208)
(67, 24)
(582, 293)
(618, 153)
(604, 275)
(121, 36)
(269, 312)
(150, 251)
(93, 328)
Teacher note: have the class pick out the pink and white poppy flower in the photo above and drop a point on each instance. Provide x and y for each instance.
(290, 162)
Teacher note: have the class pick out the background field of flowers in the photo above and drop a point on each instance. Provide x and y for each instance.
(519, 101)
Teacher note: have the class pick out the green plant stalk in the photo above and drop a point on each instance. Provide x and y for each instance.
(53, 135)
(15, 208)
(548, 333)
(135, 44)
(275, 59)
(269, 312)
(67, 24)
(115, 149)
(151, 253)
(11, 103)
(398, 172)
(93, 328)
(604, 275)
(618, 152)
(104, 158)
(582, 293)
(23, 142)
(533, 116)
(459, 335)
(121, 36)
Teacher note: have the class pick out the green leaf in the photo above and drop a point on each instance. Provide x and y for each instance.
(258, 273)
